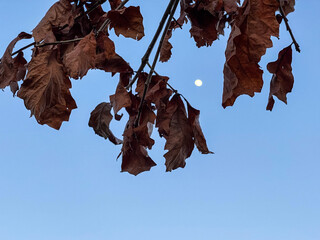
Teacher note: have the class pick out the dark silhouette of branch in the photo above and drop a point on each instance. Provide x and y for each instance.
(286, 21)
(145, 58)
(155, 60)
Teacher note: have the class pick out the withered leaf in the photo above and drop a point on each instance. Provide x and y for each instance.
(157, 89)
(159, 94)
(122, 98)
(282, 79)
(82, 57)
(106, 46)
(135, 158)
(287, 6)
(248, 41)
(46, 90)
(199, 139)
(58, 16)
(179, 142)
(128, 22)
(165, 53)
(100, 119)
(97, 16)
(115, 64)
(13, 70)
(203, 26)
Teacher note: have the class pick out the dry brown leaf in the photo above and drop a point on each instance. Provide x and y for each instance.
(115, 64)
(165, 53)
(58, 16)
(13, 70)
(100, 119)
(203, 26)
(287, 6)
(122, 98)
(282, 79)
(82, 57)
(179, 142)
(128, 22)
(106, 46)
(135, 158)
(199, 139)
(46, 90)
(248, 41)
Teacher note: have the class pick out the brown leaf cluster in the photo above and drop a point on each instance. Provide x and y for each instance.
(208, 19)
(73, 37)
(57, 57)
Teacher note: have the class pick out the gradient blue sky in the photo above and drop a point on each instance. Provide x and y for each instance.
(262, 183)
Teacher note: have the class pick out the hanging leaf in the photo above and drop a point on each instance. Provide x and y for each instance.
(100, 119)
(46, 90)
(249, 38)
(179, 142)
(287, 6)
(127, 22)
(199, 139)
(122, 98)
(12, 70)
(58, 16)
(136, 140)
(82, 57)
(282, 79)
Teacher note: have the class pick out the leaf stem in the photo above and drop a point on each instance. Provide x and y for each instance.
(145, 58)
(155, 60)
(286, 21)
(23, 48)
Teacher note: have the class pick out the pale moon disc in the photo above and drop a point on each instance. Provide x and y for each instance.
(198, 83)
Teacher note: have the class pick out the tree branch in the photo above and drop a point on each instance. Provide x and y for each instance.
(286, 21)
(145, 58)
(155, 60)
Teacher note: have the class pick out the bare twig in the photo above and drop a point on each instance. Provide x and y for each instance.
(23, 48)
(58, 42)
(146, 56)
(286, 21)
(155, 60)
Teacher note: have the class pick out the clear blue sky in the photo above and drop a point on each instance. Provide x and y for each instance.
(262, 183)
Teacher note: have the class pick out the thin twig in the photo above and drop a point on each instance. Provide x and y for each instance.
(23, 48)
(286, 21)
(58, 42)
(107, 21)
(177, 23)
(146, 56)
(155, 60)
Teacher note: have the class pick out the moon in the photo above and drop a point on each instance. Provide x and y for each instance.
(198, 83)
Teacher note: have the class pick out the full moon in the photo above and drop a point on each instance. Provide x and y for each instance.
(198, 83)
